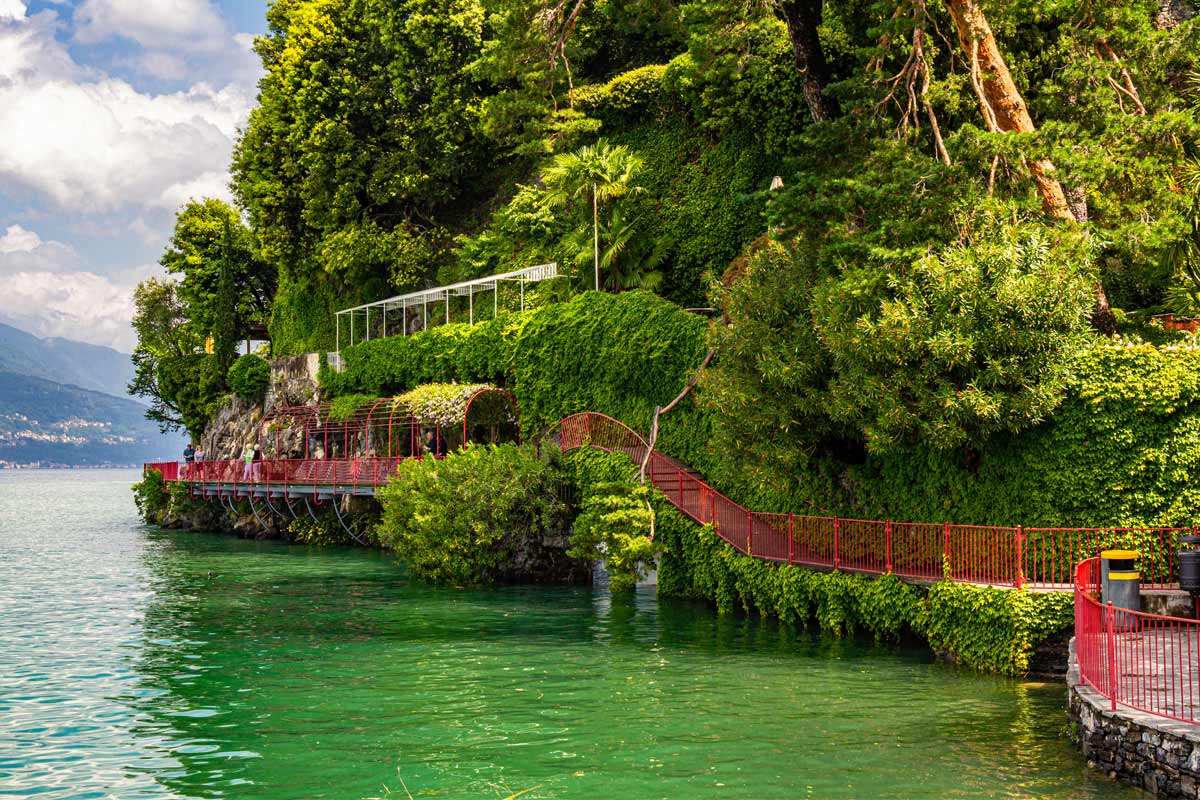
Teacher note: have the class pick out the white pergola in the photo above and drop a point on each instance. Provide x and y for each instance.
(359, 318)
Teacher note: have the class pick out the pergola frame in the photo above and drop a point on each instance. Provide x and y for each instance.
(358, 318)
(379, 428)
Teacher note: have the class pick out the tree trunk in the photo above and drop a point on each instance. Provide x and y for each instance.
(999, 99)
(803, 18)
(1004, 110)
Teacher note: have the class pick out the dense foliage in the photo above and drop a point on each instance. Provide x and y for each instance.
(188, 329)
(618, 354)
(249, 378)
(618, 518)
(471, 518)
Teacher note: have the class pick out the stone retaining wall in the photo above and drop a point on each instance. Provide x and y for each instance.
(1156, 754)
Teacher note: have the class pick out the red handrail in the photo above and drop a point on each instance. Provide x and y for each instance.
(1144, 661)
(1041, 558)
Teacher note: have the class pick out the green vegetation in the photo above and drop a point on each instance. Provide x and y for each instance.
(618, 518)
(151, 497)
(249, 378)
(188, 329)
(934, 235)
(323, 531)
(619, 354)
(476, 517)
(158, 501)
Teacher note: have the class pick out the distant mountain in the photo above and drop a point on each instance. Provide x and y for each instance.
(64, 361)
(47, 422)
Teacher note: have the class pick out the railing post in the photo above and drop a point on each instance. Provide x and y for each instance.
(887, 539)
(837, 542)
(791, 538)
(749, 533)
(946, 546)
(679, 474)
(1112, 654)
(1020, 571)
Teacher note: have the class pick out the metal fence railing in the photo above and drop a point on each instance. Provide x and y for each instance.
(1144, 661)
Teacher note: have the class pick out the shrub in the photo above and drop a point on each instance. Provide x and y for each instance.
(464, 520)
(249, 378)
(150, 496)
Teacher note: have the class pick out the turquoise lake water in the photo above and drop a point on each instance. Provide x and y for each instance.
(141, 663)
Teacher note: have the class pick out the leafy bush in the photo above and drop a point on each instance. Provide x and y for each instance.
(637, 92)
(466, 519)
(617, 516)
(1123, 449)
(249, 378)
(151, 497)
(973, 340)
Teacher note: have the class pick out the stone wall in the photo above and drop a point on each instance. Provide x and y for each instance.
(1156, 754)
(293, 383)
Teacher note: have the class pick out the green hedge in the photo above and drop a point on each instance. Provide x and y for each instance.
(1122, 450)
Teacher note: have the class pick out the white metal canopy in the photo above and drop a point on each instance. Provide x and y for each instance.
(360, 316)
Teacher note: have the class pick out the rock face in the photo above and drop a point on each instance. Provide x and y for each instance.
(293, 383)
(1173, 13)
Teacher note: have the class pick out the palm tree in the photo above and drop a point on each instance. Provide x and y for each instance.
(609, 171)
(627, 260)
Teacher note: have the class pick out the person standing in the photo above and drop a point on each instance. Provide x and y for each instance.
(248, 458)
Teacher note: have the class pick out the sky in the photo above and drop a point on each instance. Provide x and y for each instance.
(113, 114)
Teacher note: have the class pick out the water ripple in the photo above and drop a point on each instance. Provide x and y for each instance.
(140, 664)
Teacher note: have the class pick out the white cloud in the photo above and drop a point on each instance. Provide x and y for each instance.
(105, 158)
(18, 240)
(164, 66)
(12, 10)
(210, 184)
(30, 51)
(102, 145)
(76, 305)
(23, 250)
(94, 143)
(193, 25)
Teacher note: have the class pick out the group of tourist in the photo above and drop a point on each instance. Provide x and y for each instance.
(192, 455)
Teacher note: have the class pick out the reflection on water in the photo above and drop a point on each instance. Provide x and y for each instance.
(139, 663)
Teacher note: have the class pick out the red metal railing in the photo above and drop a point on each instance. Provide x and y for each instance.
(1042, 558)
(335, 473)
(168, 469)
(1145, 661)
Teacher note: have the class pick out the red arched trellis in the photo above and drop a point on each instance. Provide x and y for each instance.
(492, 390)
(383, 427)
